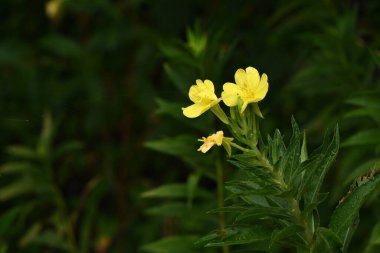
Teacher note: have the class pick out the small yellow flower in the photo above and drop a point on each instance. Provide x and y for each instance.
(249, 88)
(210, 141)
(203, 96)
(53, 7)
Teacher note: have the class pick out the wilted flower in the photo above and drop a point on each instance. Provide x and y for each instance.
(210, 141)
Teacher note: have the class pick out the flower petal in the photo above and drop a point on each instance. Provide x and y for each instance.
(230, 94)
(218, 137)
(195, 110)
(206, 147)
(262, 89)
(241, 78)
(253, 78)
(194, 94)
(209, 85)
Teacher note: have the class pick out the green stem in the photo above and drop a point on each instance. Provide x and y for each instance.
(220, 197)
(308, 232)
(239, 147)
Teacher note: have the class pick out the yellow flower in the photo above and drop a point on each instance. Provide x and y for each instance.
(210, 141)
(203, 96)
(249, 88)
(53, 8)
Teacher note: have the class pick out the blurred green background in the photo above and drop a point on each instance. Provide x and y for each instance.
(90, 111)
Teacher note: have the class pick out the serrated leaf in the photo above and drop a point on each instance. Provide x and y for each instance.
(284, 233)
(326, 241)
(316, 168)
(290, 161)
(276, 147)
(173, 244)
(344, 220)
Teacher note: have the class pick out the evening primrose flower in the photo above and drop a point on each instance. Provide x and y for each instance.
(53, 8)
(203, 96)
(210, 141)
(249, 88)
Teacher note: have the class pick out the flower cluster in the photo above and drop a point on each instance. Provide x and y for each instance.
(249, 88)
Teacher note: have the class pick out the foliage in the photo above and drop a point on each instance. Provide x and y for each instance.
(114, 76)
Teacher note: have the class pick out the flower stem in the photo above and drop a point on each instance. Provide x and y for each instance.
(218, 111)
(239, 147)
(220, 197)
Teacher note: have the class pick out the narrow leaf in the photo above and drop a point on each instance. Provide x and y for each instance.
(346, 215)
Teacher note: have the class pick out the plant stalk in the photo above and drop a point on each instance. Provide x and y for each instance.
(220, 198)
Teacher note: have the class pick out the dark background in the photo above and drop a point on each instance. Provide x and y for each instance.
(89, 94)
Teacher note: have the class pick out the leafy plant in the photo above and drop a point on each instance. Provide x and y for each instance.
(275, 202)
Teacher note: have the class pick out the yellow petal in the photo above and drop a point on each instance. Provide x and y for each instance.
(194, 94)
(241, 78)
(253, 78)
(230, 94)
(206, 147)
(209, 85)
(218, 137)
(195, 110)
(262, 89)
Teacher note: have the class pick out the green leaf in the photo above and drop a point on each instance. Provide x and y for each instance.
(46, 238)
(373, 245)
(68, 147)
(365, 137)
(174, 191)
(180, 210)
(367, 112)
(265, 212)
(23, 186)
(326, 241)
(180, 77)
(276, 147)
(285, 233)
(173, 244)
(345, 218)
(289, 163)
(192, 187)
(237, 235)
(7, 219)
(46, 136)
(21, 152)
(18, 167)
(316, 168)
(304, 155)
(181, 145)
